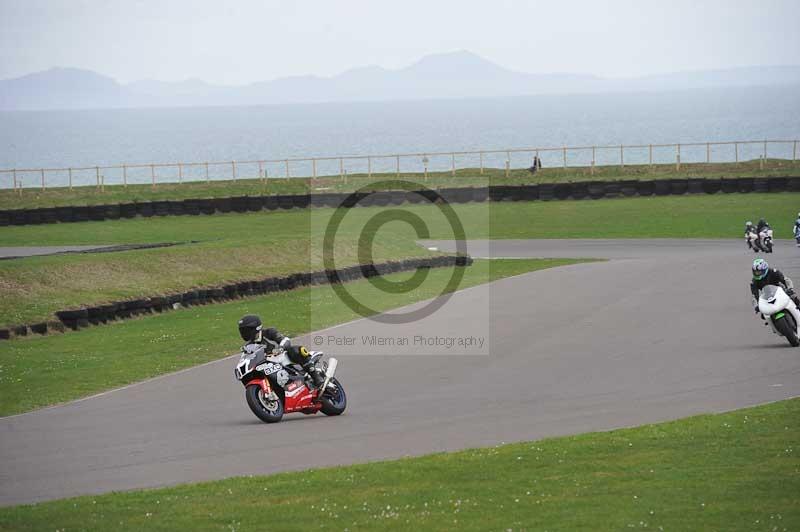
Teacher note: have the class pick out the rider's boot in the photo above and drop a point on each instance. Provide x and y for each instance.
(316, 376)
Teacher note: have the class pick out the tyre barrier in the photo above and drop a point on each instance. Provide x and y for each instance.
(695, 186)
(544, 192)
(127, 210)
(49, 216)
(662, 187)
(65, 214)
(159, 208)
(729, 186)
(760, 185)
(712, 186)
(745, 184)
(646, 188)
(579, 190)
(776, 184)
(74, 319)
(678, 187)
(629, 188)
(597, 189)
(547, 192)
(613, 190)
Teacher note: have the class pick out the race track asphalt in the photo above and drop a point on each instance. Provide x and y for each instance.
(662, 330)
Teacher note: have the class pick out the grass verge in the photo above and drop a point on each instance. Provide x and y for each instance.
(248, 246)
(734, 471)
(106, 357)
(52, 197)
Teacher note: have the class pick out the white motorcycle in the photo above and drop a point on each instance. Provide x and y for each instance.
(751, 238)
(780, 313)
(765, 240)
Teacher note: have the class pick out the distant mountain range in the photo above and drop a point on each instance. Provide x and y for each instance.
(451, 75)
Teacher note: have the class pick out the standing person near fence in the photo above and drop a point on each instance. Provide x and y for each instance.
(537, 164)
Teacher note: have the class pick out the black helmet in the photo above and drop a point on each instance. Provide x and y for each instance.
(250, 328)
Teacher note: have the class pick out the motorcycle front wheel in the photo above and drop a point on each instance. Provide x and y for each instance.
(334, 401)
(787, 328)
(265, 409)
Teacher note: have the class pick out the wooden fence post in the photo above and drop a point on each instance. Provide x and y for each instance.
(369, 167)
(14, 173)
(765, 149)
(261, 170)
(482, 160)
(794, 151)
(313, 168)
(124, 176)
(153, 174)
(678, 158)
(97, 175)
(180, 173)
(621, 156)
(287, 172)
(341, 170)
(650, 156)
(736, 152)
(207, 178)
(398, 166)
(708, 152)
(70, 178)
(42, 179)
(453, 164)
(594, 152)
(565, 157)
(233, 170)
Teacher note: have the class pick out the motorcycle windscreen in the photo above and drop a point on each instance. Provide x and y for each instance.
(252, 356)
(769, 292)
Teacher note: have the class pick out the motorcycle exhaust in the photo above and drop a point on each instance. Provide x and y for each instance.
(332, 363)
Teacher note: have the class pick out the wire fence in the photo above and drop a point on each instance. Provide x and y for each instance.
(401, 163)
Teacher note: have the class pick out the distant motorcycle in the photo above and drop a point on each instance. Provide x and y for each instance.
(765, 240)
(275, 386)
(780, 313)
(752, 241)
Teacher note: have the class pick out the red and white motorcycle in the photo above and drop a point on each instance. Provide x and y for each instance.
(275, 386)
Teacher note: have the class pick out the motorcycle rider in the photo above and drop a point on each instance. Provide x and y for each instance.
(764, 275)
(749, 230)
(796, 230)
(251, 330)
(762, 224)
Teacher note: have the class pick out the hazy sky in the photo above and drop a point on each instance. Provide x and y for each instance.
(240, 41)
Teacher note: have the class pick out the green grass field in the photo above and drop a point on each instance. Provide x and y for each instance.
(90, 195)
(100, 358)
(727, 472)
(237, 247)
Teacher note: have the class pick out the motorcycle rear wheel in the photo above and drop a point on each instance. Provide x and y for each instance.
(264, 409)
(787, 328)
(334, 403)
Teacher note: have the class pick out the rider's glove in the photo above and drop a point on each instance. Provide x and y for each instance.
(755, 309)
